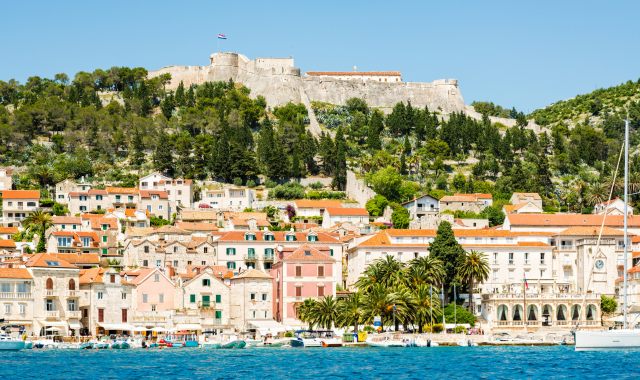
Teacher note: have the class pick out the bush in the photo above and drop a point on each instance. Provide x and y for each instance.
(376, 205)
(435, 328)
(400, 216)
(289, 334)
(251, 183)
(460, 330)
(46, 203)
(237, 181)
(288, 190)
(316, 185)
(158, 222)
(462, 315)
(314, 194)
(60, 209)
(270, 184)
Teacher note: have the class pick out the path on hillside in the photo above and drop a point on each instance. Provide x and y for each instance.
(314, 126)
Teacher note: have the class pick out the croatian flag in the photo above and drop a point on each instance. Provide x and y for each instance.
(526, 284)
(222, 36)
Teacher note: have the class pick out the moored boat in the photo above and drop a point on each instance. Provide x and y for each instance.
(234, 344)
(8, 343)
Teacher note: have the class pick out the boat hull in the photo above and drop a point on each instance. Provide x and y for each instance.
(12, 345)
(606, 340)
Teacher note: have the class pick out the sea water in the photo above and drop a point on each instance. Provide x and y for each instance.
(557, 362)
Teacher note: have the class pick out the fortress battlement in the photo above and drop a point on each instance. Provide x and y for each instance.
(280, 82)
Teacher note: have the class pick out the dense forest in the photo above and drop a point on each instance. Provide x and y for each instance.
(116, 124)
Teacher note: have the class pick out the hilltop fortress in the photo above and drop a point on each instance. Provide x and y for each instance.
(280, 82)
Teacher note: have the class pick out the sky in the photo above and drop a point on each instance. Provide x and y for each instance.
(523, 54)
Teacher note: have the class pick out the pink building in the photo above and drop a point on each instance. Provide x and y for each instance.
(153, 296)
(299, 273)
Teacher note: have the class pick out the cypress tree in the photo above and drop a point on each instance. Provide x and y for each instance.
(340, 173)
(446, 248)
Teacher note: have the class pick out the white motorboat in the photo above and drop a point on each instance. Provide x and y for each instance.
(7, 343)
(390, 342)
(424, 342)
(602, 340)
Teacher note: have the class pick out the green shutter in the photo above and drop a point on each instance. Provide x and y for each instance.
(206, 301)
(331, 252)
(104, 251)
(231, 251)
(218, 298)
(192, 298)
(218, 314)
(104, 238)
(252, 252)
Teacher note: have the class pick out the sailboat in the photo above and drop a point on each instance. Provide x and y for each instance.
(625, 337)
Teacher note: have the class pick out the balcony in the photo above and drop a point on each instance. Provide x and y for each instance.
(76, 314)
(53, 314)
(50, 293)
(72, 294)
(567, 262)
(566, 247)
(15, 296)
(250, 257)
(268, 257)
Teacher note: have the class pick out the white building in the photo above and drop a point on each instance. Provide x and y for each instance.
(251, 300)
(421, 206)
(338, 215)
(6, 180)
(18, 204)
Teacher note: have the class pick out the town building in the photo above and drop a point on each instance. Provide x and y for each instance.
(333, 216)
(252, 301)
(465, 202)
(228, 198)
(154, 297)
(203, 296)
(18, 204)
(307, 209)
(17, 298)
(421, 206)
(360, 76)
(6, 179)
(614, 206)
(299, 273)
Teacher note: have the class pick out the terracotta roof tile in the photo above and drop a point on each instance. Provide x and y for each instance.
(590, 231)
(571, 220)
(306, 252)
(121, 190)
(46, 260)
(20, 194)
(347, 211)
(317, 203)
(66, 220)
(9, 230)
(6, 243)
(195, 226)
(18, 273)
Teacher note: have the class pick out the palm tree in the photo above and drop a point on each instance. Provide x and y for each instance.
(387, 271)
(427, 308)
(425, 270)
(306, 312)
(473, 267)
(378, 301)
(39, 221)
(325, 311)
(350, 311)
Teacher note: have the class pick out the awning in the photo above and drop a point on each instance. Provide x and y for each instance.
(115, 326)
(188, 326)
(139, 328)
(454, 325)
(75, 325)
(159, 329)
(632, 318)
(54, 323)
(267, 326)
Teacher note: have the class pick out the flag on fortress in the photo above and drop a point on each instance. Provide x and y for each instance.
(222, 36)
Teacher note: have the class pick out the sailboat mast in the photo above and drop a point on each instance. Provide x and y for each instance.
(626, 214)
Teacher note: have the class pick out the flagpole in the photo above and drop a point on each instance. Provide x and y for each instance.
(524, 294)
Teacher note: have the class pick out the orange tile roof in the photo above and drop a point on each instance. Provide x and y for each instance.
(42, 260)
(590, 231)
(20, 194)
(97, 192)
(635, 254)
(9, 230)
(571, 220)
(92, 275)
(75, 258)
(66, 220)
(253, 273)
(129, 212)
(347, 211)
(306, 252)
(383, 237)
(195, 226)
(18, 273)
(355, 73)
(5, 243)
(148, 193)
(96, 223)
(121, 190)
(527, 195)
(279, 236)
(317, 203)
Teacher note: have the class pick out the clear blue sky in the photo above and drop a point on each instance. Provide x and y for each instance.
(514, 53)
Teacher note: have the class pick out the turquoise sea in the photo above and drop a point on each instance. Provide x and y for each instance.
(557, 362)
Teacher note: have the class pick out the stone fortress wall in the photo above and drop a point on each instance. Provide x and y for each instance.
(280, 82)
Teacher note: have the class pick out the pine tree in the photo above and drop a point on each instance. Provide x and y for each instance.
(137, 148)
(163, 155)
(191, 97)
(376, 126)
(340, 173)
(180, 99)
(446, 248)
(167, 106)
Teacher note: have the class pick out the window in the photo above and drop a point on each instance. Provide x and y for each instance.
(231, 265)
(124, 315)
(331, 252)
(158, 264)
(205, 249)
(311, 237)
(22, 308)
(71, 305)
(218, 314)
(189, 262)
(161, 298)
(252, 253)
(321, 271)
(117, 198)
(7, 308)
(298, 291)
(252, 296)
(175, 263)
(268, 252)
(104, 251)
(526, 258)
(175, 249)
(218, 298)
(146, 249)
(112, 278)
(249, 237)
(231, 251)
(203, 262)
(145, 263)
(269, 237)
(264, 296)
(206, 282)
(290, 237)
(130, 198)
(104, 238)
(86, 241)
(22, 287)
(156, 277)
(98, 197)
(254, 314)
(100, 295)
(495, 257)
(124, 296)
(5, 287)
(298, 271)
(320, 291)
(510, 258)
(153, 307)
(64, 241)
(105, 227)
(542, 258)
(192, 298)
(100, 315)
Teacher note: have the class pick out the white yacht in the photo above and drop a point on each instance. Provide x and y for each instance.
(622, 338)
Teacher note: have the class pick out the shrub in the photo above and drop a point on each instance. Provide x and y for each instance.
(316, 185)
(237, 181)
(288, 190)
(251, 183)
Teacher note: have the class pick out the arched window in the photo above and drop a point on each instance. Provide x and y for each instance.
(575, 312)
(532, 313)
(592, 311)
(517, 313)
(547, 312)
(72, 284)
(503, 311)
(562, 313)
(49, 284)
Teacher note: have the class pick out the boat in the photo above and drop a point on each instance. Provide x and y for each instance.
(282, 342)
(69, 346)
(28, 345)
(8, 343)
(310, 338)
(423, 342)
(210, 345)
(87, 345)
(45, 343)
(624, 338)
(120, 345)
(387, 341)
(466, 343)
(254, 343)
(235, 344)
(331, 342)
